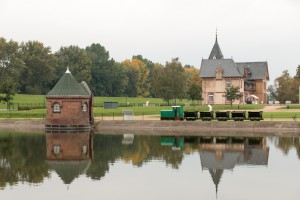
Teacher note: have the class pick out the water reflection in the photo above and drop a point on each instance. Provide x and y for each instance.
(176, 142)
(22, 159)
(31, 158)
(224, 153)
(285, 144)
(69, 154)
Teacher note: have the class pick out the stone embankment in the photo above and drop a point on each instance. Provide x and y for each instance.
(198, 127)
(33, 125)
(290, 128)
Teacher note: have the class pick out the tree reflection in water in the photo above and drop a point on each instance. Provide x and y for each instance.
(22, 158)
(31, 157)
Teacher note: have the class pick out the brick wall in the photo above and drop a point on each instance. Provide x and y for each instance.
(71, 146)
(71, 111)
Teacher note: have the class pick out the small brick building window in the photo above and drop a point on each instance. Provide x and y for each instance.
(56, 108)
(56, 149)
(84, 107)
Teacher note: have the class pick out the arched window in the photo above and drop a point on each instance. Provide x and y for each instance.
(56, 107)
(56, 149)
(84, 107)
(84, 149)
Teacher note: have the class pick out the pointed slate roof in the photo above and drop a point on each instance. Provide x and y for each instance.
(216, 175)
(258, 70)
(68, 86)
(209, 66)
(216, 52)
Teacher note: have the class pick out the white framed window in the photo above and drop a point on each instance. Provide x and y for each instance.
(56, 108)
(228, 84)
(84, 107)
(210, 97)
(56, 149)
(84, 149)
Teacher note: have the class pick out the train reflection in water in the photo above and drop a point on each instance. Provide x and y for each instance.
(69, 154)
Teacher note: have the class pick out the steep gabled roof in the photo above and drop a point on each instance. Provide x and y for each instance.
(216, 52)
(69, 170)
(68, 86)
(209, 67)
(258, 70)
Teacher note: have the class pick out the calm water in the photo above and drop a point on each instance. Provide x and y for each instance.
(84, 166)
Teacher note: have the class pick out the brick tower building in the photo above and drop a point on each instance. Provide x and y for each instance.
(69, 105)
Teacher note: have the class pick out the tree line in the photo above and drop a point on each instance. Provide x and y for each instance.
(32, 68)
(286, 87)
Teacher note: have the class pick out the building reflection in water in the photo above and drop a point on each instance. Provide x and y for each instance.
(224, 153)
(128, 138)
(69, 153)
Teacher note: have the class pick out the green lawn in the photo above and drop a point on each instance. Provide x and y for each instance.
(38, 101)
(281, 114)
(99, 111)
(137, 107)
(291, 106)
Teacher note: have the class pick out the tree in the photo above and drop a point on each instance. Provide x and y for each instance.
(137, 73)
(108, 77)
(150, 65)
(7, 91)
(77, 60)
(117, 81)
(193, 78)
(297, 76)
(38, 76)
(170, 81)
(233, 93)
(272, 93)
(11, 62)
(195, 92)
(287, 88)
(157, 79)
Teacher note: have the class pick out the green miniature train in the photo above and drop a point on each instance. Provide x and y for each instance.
(175, 114)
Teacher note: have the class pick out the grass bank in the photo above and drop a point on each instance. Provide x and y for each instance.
(37, 108)
(99, 111)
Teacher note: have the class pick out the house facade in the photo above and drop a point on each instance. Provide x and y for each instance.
(218, 73)
(69, 105)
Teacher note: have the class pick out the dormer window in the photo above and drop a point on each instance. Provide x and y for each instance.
(56, 108)
(84, 107)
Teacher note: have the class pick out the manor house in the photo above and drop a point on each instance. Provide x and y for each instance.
(219, 73)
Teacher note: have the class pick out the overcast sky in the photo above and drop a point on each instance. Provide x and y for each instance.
(248, 30)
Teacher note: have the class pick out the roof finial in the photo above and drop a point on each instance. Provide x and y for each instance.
(68, 71)
(216, 33)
